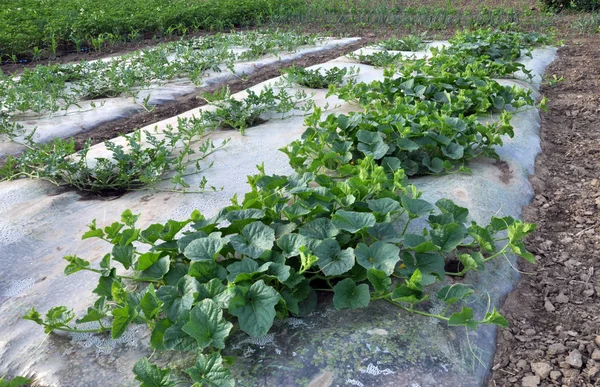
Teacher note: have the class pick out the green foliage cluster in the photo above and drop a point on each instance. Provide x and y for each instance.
(242, 114)
(32, 28)
(48, 89)
(579, 5)
(424, 116)
(406, 43)
(315, 79)
(365, 237)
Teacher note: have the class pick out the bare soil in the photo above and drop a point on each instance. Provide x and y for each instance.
(554, 313)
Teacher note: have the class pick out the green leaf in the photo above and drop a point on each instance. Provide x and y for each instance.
(447, 206)
(255, 308)
(463, 318)
(205, 271)
(151, 376)
(178, 299)
(406, 144)
(275, 270)
(290, 244)
(255, 239)
(105, 283)
(123, 254)
(385, 232)
(243, 269)
(320, 228)
(519, 249)
(171, 229)
(58, 316)
(158, 334)
(147, 259)
(380, 280)
(150, 303)
(216, 291)
(384, 206)
(122, 318)
(472, 261)
(419, 243)
(207, 325)
(95, 233)
(453, 151)
(306, 259)
(96, 312)
(495, 318)
(347, 295)
(380, 255)
(430, 265)
(175, 338)
(75, 264)
(209, 371)
(416, 207)
(448, 236)
(204, 249)
(332, 260)
(353, 221)
(482, 237)
(17, 381)
(454, 293)
(157, 270)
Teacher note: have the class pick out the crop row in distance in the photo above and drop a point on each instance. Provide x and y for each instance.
(33, 29)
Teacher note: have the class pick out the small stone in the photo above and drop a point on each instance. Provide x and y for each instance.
(596, 354)
(556, 349)
(574, 359)
(572, 333)
(588, 292)
(555, 375)
(530, 381)
(597, 340)
(594, 182)
(562, 299)
(592, 372)
(549, 307)
(541, 369)
(522, 363)
(530, 332)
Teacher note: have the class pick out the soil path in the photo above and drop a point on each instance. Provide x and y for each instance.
(554, 313)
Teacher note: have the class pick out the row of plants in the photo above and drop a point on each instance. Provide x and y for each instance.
(49, 89)
(35, 29)
(358, 231)
(148, 159)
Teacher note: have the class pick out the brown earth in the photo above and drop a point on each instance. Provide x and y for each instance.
(554, 313)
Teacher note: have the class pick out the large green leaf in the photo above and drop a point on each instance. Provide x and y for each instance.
(332, 259)
(178, 299)
(216, 291)
(150, 304)
(380, 255)
(255, 308)
(204, 249)
(122, 318)
(151, 376)
(347, 295)
(242, 270)
(384, 206)
(158, 269)
(209, 371)
(174, 338)
(417, 207)
(448, 236)
(207, 325)
(353, 221)
(320, 228)
(290, 244)
(123, 254)
(205, 271)
(254, 240)
(380, 280)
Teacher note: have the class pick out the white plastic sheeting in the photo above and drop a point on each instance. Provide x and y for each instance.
(84, 117)
(379, 345)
